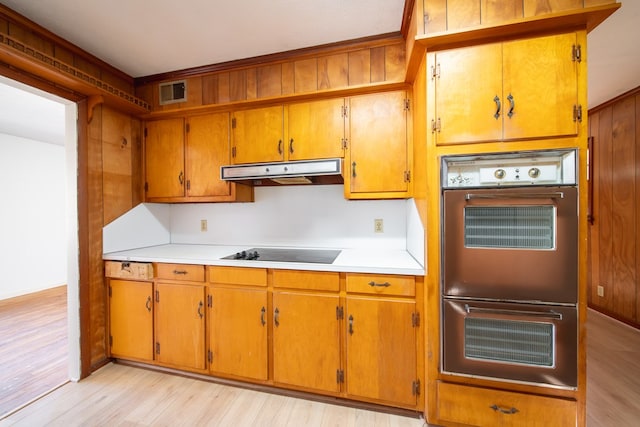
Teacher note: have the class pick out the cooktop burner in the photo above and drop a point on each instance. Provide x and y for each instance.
(319, 256)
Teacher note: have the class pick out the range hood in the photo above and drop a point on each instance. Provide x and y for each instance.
(297, 172)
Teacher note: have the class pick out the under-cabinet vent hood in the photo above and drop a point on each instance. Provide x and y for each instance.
(298, 172)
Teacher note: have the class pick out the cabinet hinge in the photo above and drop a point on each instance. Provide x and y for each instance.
(345, 111)
(436, 125)
(339, 313)
(233, 123)
(415, 386)
(415, 319)
(233, 152)
(187, 128)
(146, 187)
(344, 143)
(188, 184)
(210, 356)
(145, 132)
(157, 296)
(577, 113)
(576, 53)
(435, 71)
(157, 348)
(407, 104)
(339, 376)
(110, 341)
(109, 291)
(407, 176)
(209, 301)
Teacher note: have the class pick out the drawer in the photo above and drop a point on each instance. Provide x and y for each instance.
(487, 407)
(381, 284)
(238, 276)
(193, 273)
(129, 270)
(311, 280)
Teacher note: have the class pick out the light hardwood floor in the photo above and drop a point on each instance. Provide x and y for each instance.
(119, 395)
(33, 346)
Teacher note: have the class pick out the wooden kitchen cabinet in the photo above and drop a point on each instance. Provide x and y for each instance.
(180, 325)
(258, 135)
(306, 331)
(237, 303)
(381, 339)
(316, 129)
(183, 159)
(377, 164)
(131, 319)
(528, 90)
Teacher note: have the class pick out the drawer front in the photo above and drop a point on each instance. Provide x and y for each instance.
(311, 280)
(381, 284)
(238, 276)
(486, 407)
(129, 270)
(193, 273)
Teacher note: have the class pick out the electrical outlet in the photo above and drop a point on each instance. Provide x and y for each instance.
(600, 291)
(378, 225)
(203, 225)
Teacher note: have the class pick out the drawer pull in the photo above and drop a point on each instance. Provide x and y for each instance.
(179, 272)
(506, 411)
(148, 304)
(381, 285)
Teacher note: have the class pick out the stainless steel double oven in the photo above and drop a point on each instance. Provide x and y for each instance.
(510, 267)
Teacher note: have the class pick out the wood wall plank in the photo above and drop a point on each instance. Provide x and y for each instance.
(117, 167)
(209, 89)
(541, 7)
(64, 55)
(223, 88)
(496, 11)
(593, 273)
(333, 71)
(137, 178)
(306, 75)
(637, 221)
(4, 25)
(288, 79)
(604, 163)
(395, 62)
(435, 16)
(252, 84)
(592, 3)
(624, 216)
(269, 80)
(237, 85)
(359, 67)
(377, 64)
(30, 38)
(462, 14)
(87, 66)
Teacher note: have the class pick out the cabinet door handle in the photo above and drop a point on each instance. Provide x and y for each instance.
(496, 115)
(382, 285)
(512, 105)
(200, 305)
(148, 304)
(351, 324)
(263, 312)
(276, 317)
(181, 177)
(502, 410)
(291, 146)
(279, 146)
(353, 169)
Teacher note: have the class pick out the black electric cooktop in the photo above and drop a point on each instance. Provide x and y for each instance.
(319, 256)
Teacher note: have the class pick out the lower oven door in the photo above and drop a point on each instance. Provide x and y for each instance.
(527, 343)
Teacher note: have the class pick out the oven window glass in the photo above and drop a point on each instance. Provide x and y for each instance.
(509, 341)
(519, 227)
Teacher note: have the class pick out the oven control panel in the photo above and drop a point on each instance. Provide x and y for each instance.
(510, 169)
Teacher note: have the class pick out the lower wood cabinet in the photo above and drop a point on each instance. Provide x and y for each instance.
(131, 319)
(477, 406)
(180, 325)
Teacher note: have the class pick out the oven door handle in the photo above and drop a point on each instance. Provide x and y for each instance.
(538, 314)
(556, 195)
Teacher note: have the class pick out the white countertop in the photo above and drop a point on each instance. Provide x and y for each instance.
(376, 261)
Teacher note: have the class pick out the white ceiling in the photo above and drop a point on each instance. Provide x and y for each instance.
(149, 37)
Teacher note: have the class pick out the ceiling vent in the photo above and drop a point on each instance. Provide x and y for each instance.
(172, 92)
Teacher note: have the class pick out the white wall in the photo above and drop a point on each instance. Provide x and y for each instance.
(33, 238)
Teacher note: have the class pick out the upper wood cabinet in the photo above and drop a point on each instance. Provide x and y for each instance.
(183, 159)
(131, 319)
(300, 131)
(523, 89)
(377, 164)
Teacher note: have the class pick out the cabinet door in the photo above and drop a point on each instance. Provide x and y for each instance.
(258, 135)
(164, 158)
(179, 310)
(131, 319)
(238, 332)
(207, 149)
(541, 77)
(381, 349)
(306, 343)
(378, 143)
(468, 94)
(316, 130)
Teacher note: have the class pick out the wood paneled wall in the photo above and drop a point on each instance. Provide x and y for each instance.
(615, 232)
(452, 15)
(337, 68)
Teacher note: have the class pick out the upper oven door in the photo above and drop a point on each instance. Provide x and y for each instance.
(516, 244)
